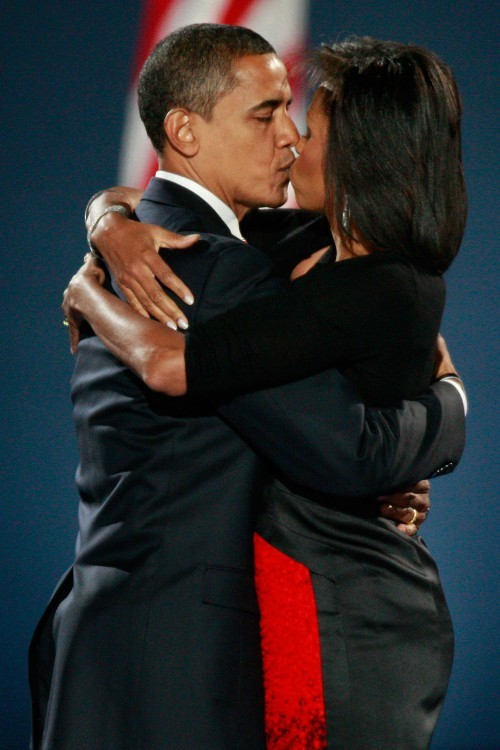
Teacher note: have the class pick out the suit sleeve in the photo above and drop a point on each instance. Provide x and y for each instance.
(317, 433)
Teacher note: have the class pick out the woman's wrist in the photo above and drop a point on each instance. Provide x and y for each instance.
(82, 288)
(102, 212)
(107, 229)
(117, 209)
(448, 374)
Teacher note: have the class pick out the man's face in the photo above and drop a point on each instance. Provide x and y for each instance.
(245, 154)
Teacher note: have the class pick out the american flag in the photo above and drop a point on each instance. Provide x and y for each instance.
(282, 22)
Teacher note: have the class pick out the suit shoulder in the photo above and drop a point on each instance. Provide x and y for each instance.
(238, 272)
(233, 251)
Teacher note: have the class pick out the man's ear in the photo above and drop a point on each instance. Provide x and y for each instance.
(178, 125)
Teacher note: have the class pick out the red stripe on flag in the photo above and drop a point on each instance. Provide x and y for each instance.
(152, 169)
(235, 11)
(154, 11)
(294, 63)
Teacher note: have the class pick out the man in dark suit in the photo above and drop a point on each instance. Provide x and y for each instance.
(151, 641)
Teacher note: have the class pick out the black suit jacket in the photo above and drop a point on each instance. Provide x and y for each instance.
(151, 641)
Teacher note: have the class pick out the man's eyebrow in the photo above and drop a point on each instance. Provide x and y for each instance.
(269, 104)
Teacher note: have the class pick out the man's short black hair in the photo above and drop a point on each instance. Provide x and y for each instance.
(192, 68)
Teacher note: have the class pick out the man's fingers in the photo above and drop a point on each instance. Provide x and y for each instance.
(420, 502)
(409, 508)
(407, 528)
(407, 515)
(403, 500)
(422, 487)
(415, 497)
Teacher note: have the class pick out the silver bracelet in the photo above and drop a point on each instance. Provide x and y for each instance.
(119, 209)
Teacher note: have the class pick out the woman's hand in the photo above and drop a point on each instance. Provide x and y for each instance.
(442, 364)
(146, 346)
(130, 249)
(409, 508)
(90, 273)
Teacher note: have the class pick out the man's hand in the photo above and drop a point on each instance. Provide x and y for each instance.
(91, 271)
(408, 507)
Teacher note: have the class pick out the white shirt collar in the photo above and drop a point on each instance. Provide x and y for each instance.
(221, 208)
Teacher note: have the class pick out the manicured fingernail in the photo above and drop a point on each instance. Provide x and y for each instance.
(189, 299)
(182, 324)
(172, 325)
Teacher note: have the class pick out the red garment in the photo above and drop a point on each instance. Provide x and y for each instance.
(295, 712)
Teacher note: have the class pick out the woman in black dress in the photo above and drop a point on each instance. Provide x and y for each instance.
(357, 640)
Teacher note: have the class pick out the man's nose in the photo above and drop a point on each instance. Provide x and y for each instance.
(300, 144)
(289, 135)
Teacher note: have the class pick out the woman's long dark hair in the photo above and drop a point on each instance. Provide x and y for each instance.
(393, 170)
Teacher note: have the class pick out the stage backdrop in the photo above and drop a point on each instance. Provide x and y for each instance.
(66, 69)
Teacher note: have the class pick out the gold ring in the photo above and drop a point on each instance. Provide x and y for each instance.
(415, 514)
(65, 322)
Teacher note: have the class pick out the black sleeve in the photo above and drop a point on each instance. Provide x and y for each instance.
(287, 236)
(319, 321)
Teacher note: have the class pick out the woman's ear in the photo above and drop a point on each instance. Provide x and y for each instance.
(178, 125)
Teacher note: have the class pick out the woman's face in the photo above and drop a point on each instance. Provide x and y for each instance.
(307, 171)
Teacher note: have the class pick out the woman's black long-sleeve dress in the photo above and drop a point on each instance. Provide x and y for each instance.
(357, 638)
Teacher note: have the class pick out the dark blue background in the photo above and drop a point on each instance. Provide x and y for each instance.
(65, 70)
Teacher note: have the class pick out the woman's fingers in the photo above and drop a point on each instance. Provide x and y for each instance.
(165, 238)
(139, 270)
(72, 320)
(74, 336)
(92, 265)
(134, 301)
(162, 271)
(149, 299)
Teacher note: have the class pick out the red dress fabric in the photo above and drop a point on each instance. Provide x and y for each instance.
(295, 712)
